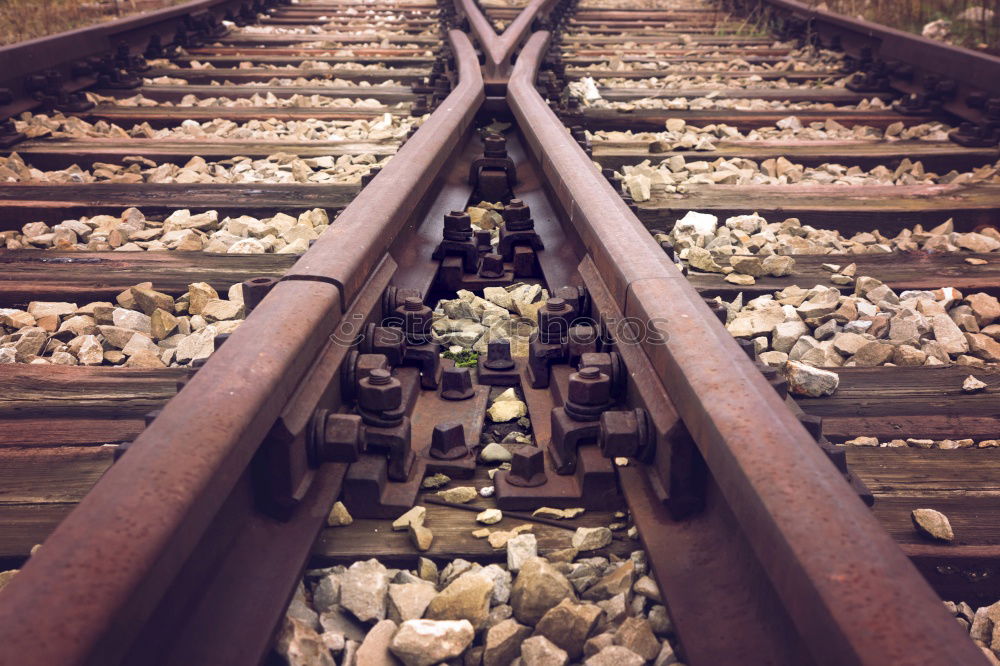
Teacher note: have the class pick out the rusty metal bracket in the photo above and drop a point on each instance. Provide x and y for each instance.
(493, 176)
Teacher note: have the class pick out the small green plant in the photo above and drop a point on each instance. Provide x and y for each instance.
(463, 359)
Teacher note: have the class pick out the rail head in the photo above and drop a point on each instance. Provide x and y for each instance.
(840, 576)
(133, 536)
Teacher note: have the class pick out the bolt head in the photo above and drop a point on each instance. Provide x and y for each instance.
(594, 390)
(380, 397)
(527, 467)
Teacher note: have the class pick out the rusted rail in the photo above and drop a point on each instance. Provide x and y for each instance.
(960, 80)
(817, 577)
(48, 66)
(169, 556)
(188, 549)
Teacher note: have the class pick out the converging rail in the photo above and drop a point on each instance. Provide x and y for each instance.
(190, 546)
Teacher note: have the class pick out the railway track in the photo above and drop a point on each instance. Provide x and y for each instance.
(695, 301)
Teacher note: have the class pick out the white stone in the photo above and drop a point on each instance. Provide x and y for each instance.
(697, 223)
(427, 642)
(809, 381)
(132, 320)
(520, 549)
(489, 516)
(972, 385)
(591, 538)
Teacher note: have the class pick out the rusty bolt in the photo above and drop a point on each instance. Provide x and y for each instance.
(120, 450)
(491, 266)
(456, 384)
(380, 392)
(553, 321)
(457, 226)
(517, 216)
(777, 381)
(589, 387)
(370, 176)
(219, 340)
(619, 434)
(7, 128)
(516, 211)
(334, 437)
(385, 340)
(419, 106)
(365, 364)
(527, 467)
(417, 318)
(720, 310)
(149, 417)
(494, 145)
(498, 355)
(448, 441)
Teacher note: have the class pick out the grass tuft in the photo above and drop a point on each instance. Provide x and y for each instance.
(21, 20)
(912, 15)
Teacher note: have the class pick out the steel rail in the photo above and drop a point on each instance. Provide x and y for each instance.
(971, 70)
(929, 55)
(61, 51)
(818, 550)
(170, 536)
